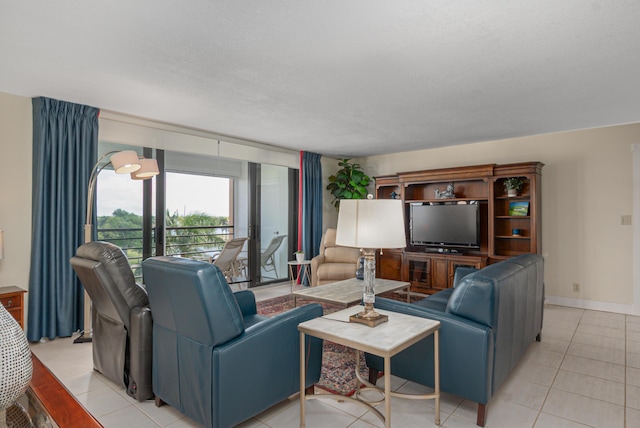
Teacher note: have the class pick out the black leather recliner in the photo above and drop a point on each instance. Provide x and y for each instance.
(122, 323)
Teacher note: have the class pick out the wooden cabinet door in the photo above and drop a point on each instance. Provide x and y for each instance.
(455, 264)
(417, 271)
(389, 265)
(439, 274)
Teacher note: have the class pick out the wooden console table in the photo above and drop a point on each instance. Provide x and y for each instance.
(12, 299)
(55, 402)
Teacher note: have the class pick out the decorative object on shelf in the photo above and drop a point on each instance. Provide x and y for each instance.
(15, 362)
(513, 185)
(349, 182)
(445, 194)
(370, 224)
(516, 232)
(299, 256)
(394, 195)
(520, 208)
(360, 270)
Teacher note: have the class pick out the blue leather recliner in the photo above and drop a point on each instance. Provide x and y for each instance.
(487, 322)
(214, 358)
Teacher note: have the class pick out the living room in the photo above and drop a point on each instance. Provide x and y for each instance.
(589, 189)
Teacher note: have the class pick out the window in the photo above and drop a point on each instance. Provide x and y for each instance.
(198, 214)
(195, 206)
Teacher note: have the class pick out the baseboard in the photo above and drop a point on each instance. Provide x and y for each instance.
(590, 304)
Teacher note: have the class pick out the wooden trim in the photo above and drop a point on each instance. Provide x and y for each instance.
(515, 169)
(61, 406)
(478, 172)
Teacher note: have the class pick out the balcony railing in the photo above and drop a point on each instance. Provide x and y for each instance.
(196, 242)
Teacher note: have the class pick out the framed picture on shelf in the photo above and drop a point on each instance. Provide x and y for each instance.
(519, 208)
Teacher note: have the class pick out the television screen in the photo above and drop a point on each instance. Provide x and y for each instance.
(447, 225)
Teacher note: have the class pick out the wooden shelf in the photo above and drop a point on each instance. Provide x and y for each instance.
(521, 197)
(413, 201)
(482, 183)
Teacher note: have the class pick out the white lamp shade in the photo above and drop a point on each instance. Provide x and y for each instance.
(125, 162)
(1, 244)
(371, 223)
(148, 169)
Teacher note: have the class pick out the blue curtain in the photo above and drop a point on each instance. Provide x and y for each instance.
(311, 171)
(65, 147)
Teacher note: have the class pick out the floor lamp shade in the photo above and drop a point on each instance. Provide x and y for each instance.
(148, 169)
(125, 162)
(371, 223)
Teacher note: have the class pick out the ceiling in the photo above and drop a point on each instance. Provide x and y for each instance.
(336, 77)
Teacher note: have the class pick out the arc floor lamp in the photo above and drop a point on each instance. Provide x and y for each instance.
(123, 162)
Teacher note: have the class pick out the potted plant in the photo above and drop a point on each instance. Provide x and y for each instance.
(299, 256)
(513, 185)
(349, 182)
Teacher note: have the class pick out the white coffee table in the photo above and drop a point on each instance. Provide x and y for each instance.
(347, 292)
(385, 340)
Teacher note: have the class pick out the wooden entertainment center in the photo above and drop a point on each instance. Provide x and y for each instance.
(430, 270)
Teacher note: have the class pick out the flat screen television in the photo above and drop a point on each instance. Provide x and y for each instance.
(447, 225)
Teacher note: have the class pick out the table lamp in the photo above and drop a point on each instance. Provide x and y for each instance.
(370, 224)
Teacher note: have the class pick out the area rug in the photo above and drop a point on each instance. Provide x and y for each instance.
(338, 361)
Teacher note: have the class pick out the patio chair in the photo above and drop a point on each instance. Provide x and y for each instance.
(226, 260)
(267, 259)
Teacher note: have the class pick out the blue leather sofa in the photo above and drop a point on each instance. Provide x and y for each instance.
(214, 358)
(488, 320)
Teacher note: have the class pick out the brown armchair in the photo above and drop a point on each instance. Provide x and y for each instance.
(334, 263)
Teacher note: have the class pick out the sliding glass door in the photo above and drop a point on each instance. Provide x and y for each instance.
(273, 217)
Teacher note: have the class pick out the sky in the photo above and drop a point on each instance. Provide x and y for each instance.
(184, 194)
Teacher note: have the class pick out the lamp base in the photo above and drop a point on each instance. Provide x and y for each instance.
(362, 318)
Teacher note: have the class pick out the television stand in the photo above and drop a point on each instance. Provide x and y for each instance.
(431, 272)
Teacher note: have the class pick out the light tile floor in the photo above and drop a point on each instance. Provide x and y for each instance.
(584, 373)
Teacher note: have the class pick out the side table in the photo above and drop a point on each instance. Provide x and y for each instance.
(298, 271)
(12, 298)
(384, 340)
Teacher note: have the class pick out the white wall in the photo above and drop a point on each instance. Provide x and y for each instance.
(122, 129)
(586, 187)
(15, 189)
